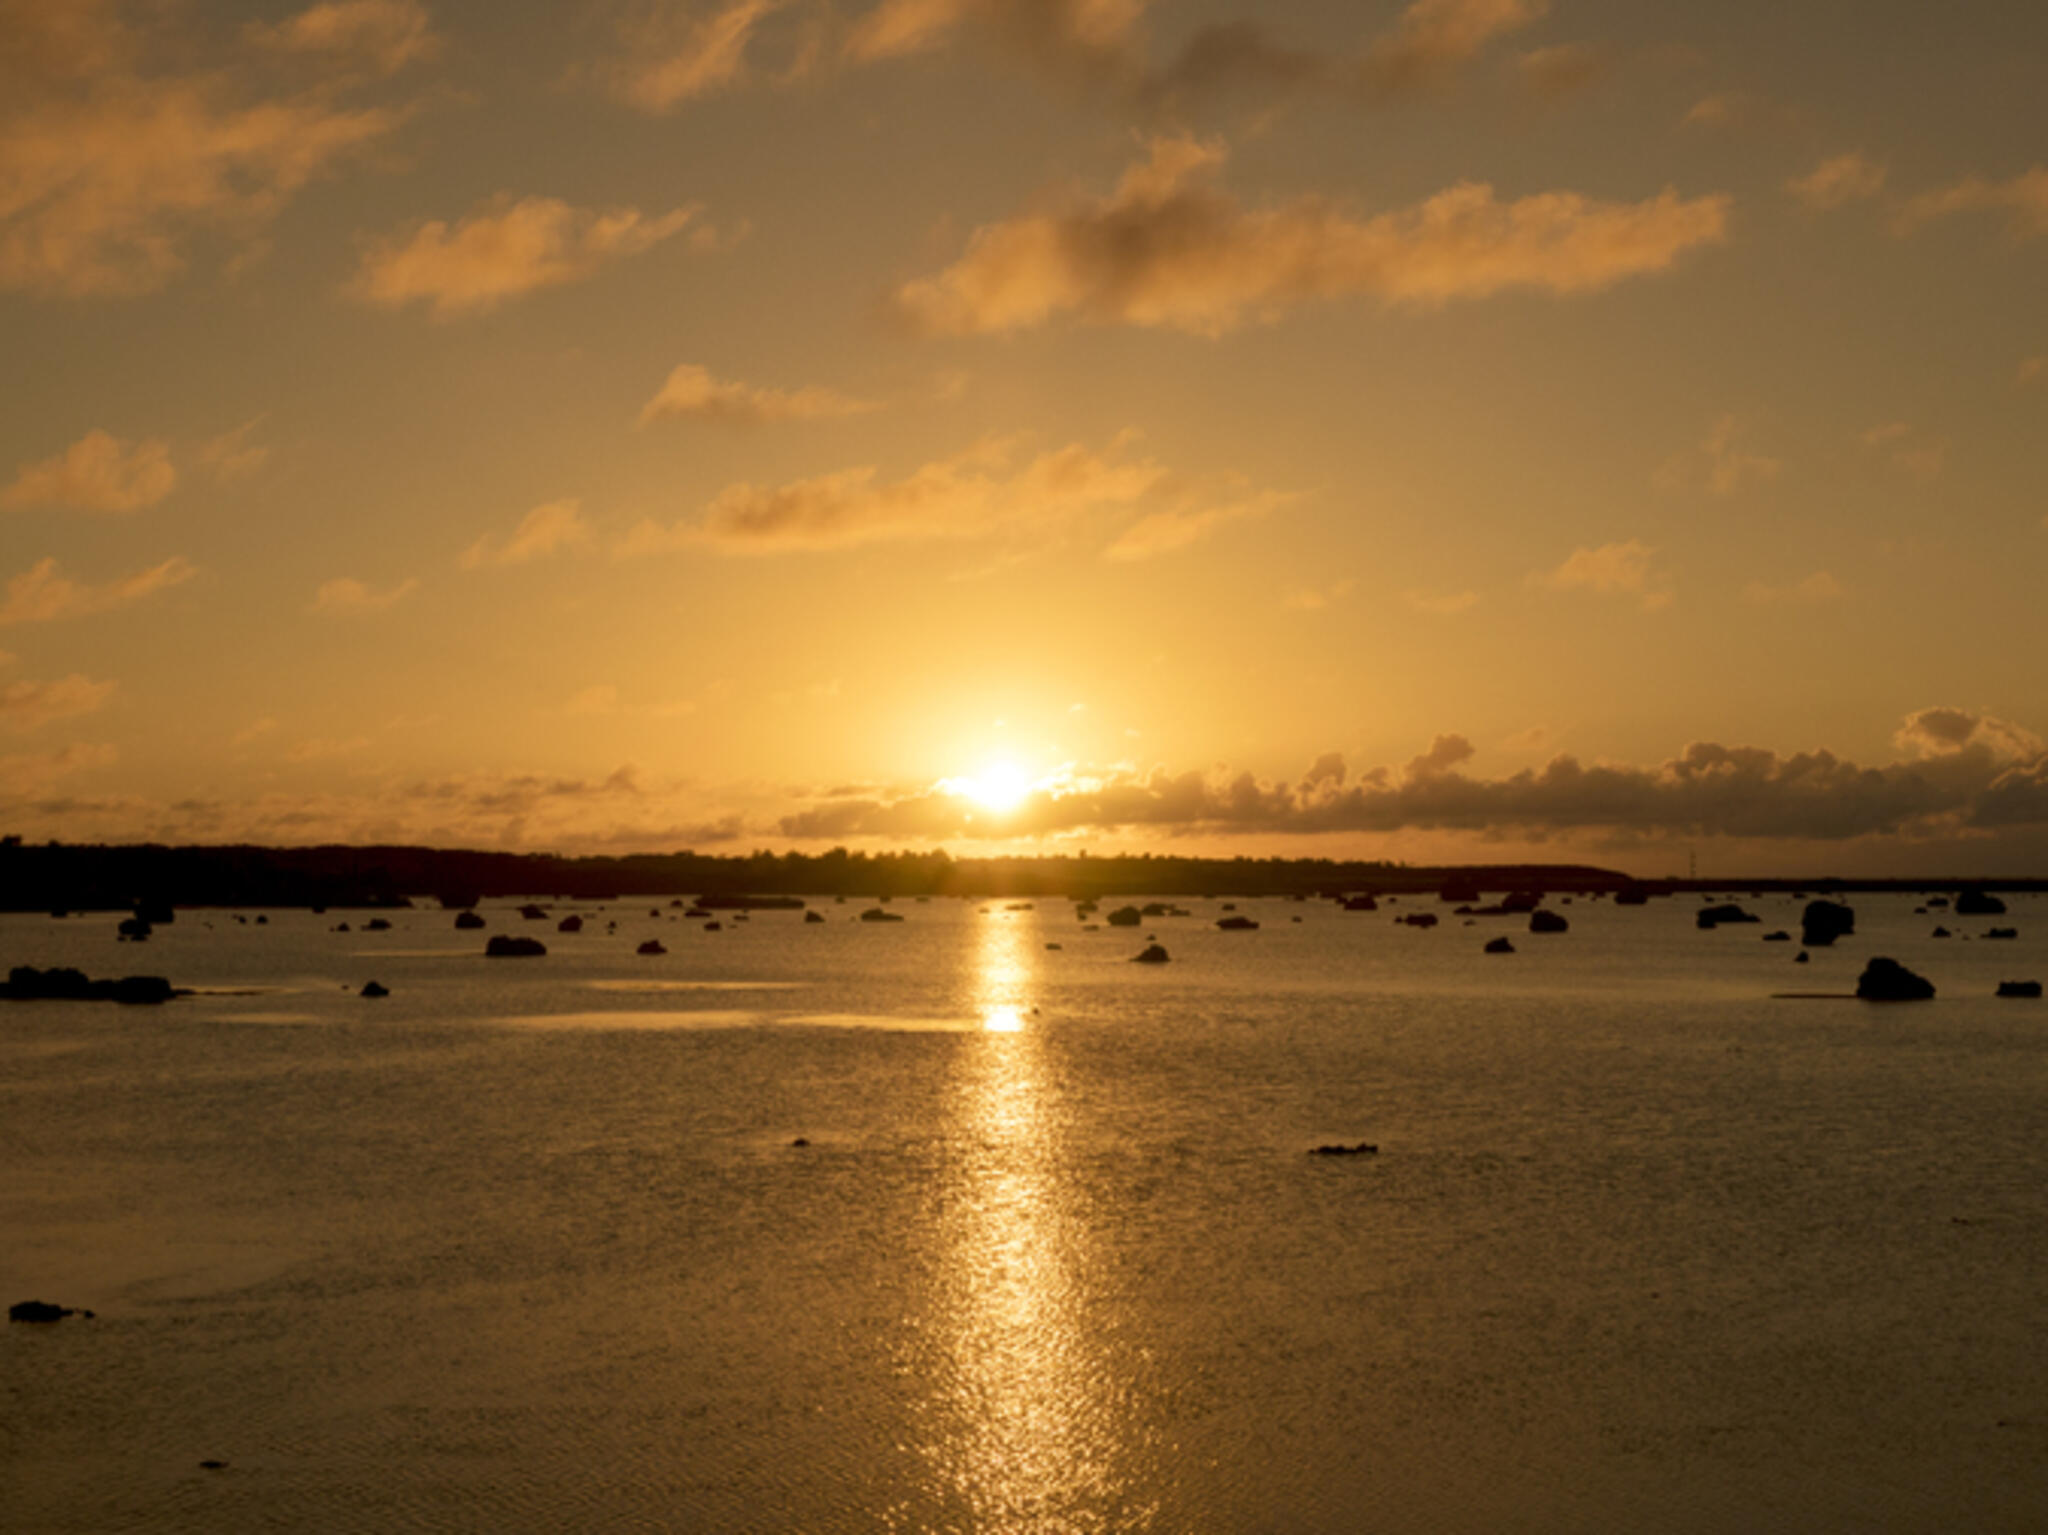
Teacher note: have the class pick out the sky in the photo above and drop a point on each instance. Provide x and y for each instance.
(1445, 431)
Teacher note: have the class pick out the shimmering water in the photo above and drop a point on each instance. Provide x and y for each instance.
(528, 1245)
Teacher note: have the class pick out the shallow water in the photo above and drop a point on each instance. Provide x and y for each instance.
(527, 1245)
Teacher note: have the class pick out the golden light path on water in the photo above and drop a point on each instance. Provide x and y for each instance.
(1024, 1417)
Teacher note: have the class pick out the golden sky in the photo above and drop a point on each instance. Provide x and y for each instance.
(1564, 429)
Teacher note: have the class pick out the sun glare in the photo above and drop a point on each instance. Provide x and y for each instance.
(1001, 786)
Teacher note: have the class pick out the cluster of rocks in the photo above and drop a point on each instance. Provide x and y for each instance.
(25, 983)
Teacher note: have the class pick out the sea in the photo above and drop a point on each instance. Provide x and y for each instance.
(966, 1222)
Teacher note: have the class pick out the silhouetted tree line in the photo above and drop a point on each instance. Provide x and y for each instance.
(56, 876)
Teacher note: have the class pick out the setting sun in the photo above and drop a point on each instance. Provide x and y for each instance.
(1000, 786)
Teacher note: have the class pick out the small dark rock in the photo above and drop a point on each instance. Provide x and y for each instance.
(468, 921)
(1714, 916)
(213, 1465)
(41, 1311)
(133, 929)
(1802, 958)
(1362, 1149)
(569, 924)
(1498, 946)
(1941, 932)
(374, 989)
(652, 946)
(876, 914)
(1419, 919)
(1976, 903)
(504, 947)
(1153, 954)
(1547, 922)
(2001, 932)
(1236, 924)
(814, 916)
(799, 1143)
(1125, 916)
(1777, 935)
(377, 925)
(2019, 988)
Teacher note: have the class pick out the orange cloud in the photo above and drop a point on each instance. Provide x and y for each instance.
(1052, 31)
(1434, 36)
(97, 473)
(1838, 181)
(982, 492)
(502, 250)
(1164, 249)
(347, 597)
(40, 595)
(1623, 568)
(386, 34)
(707, 53)
(106, 172)
(692, 391)
(29, 705)
(2024, 198)
(545, 530)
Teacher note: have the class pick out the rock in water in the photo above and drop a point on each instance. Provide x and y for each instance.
(1975, 903)
(503, 947)
(1125, 916)
(1547, 922)
(1236, 924)
(41, 1311)
(2019, 988)
(1825, 921)
(570, 924)
(1886, 980)
(1362, 1149)
(1714, 916)
(1499, 946)
(469, 920)
(374, 989)
(652, 946)
(1152, 955)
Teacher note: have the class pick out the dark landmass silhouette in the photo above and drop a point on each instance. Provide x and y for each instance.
(65, 877)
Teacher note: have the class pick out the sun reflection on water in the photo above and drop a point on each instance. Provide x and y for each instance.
(1022, 1426)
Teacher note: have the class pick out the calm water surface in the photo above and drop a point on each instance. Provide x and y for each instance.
(528, 1245)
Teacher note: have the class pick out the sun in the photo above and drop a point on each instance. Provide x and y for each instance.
(1000, 787)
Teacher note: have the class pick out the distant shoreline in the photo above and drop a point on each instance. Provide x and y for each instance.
(54, 876)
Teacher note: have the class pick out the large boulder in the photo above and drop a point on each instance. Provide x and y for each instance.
(1824, 921)
(1886, 980)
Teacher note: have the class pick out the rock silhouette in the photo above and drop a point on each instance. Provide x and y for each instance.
(503, 947)
(1716, 916)
(1548, 922)
(652, 946)
(1125, 916)
(1886, 980)
(374, 989)
(569, 924)
(1498, 946)
(25, 983)
(1362, 1149)
(1152, 954)
(1236, 924)
(2019, 988)
(1824, 921)
(42, 1311)
(468, 921)
(876, 914)
(1977, 903)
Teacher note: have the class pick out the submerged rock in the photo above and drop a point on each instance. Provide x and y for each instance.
(1547, 922)
(1236, 924)
(2019, 988)
(25, 983)
(814, 916)
(1715, 916)
(2001, 932)
(1777, 935)
(1153, 954)
(504, 947)
(1125, 916)
(569, 924)
(1886, 980)
(1498, 946)
(469, 920)
(1976, 903)
(652, 946)
(1362, 1149)
(1419, 919)
(377, 925)
(374, 989)
(876, 914)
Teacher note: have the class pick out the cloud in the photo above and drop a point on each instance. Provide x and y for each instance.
(97, 473)
(1622, 568)
(547, 529)
(679, 58)
(1723, 463)
(231, 456)
(30, 705)
(1564, 69)
(1707, 790)
(1945, 732)
(1920, 456)
(2024, 199)
(692, 391)
(502, 250)
(385, 34)
(40, 595)
(26, 773)
(1165, 249)
(108, 172)
(1073, 38)
(1838, 181)
(346, 597)
(1434, 36)
(1313, 599)
(982, 492)
(1441, 604)
(1818, 587)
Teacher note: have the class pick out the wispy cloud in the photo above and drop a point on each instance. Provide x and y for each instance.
(1621, 568)
(1564, 69)
(1166, 249)
(97, 473)
(1816, 588)
(41, 594)
(1838, 181)
(988, 490)
(1724, 463)
(108, 170)
(674, 57)
(502, 250)
(1313, 599)
(385, 34)
(1912, 451)
(547, 529)
(1434, 36)
(28, 705)
(692, 390)
(1442, 604)
(2024, 199)
(346, 597)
